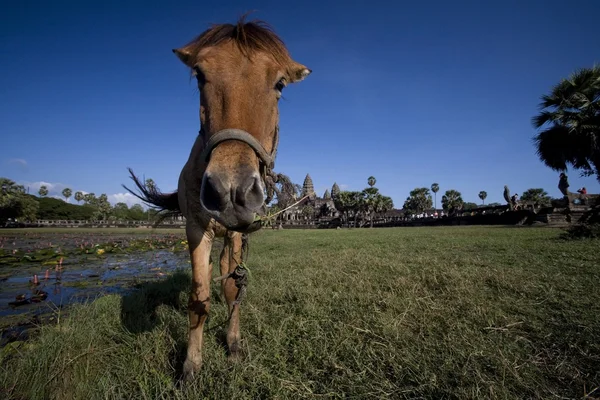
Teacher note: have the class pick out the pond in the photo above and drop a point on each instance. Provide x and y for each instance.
(42, 273)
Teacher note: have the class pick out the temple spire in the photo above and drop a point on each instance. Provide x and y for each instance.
(308, 188)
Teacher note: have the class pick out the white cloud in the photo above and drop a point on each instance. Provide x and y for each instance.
(19, 163)
(54, 189)
(126, 198)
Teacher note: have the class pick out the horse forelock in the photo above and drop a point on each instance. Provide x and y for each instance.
(250, 37)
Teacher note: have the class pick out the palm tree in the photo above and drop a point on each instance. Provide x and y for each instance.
(78, 196)
(43, 191)
(150, 184)
(435, 188)
(372, 181)
(537, 196)
(452, 201)
(67, 193)
(418, 201)
(571, 114)
(482, 196)
(382, 204)
(286, 192)
(370, 198)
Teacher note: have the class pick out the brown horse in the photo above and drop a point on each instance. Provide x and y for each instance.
(241, 71)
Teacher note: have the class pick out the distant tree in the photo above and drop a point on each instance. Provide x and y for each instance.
(51, 208)
(90, 199)
(382, 204)
(483, 196)
(387, 204)
(452, 201)
(418, 201)
(15, 203)
(43, 191)
(121, 211)
(470, 206)
(150, 184)
(358, 206)
(494, 204)
(537, 196)
(435, 187)
(307, 211)
(571, 114)
(348, 203)
(286, 194)
(78, 197)
(104, 207)
(371, 181)
(370, 198)
(136, 213)
(66, 194)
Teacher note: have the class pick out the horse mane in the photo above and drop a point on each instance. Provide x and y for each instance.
(250, 37)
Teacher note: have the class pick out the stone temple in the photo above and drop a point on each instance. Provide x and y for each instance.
(314, 208)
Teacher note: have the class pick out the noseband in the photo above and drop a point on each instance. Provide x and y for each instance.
(267, 160)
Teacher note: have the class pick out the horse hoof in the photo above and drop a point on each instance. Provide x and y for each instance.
(189, 370)
(235, 352)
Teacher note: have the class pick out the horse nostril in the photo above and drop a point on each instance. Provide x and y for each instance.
(250, 194)
(213, 194)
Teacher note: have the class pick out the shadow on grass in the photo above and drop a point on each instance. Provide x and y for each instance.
(140, 312)
(138, 309)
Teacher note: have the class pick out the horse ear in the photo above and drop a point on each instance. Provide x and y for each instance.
(299, 72)
(185, 55)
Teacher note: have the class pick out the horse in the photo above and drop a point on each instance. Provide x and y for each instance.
(241, 70)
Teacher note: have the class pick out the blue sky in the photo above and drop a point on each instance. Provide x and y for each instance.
(412, 93)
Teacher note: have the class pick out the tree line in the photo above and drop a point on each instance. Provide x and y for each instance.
(17, 205)
(363, 205)
(420, 200)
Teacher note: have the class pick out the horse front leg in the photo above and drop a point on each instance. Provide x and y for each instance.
(199, 303)
(231, 257)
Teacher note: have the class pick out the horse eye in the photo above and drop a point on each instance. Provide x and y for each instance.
(199, 75)
(280, 85)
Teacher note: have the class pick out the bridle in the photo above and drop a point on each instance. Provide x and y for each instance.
(267, 160)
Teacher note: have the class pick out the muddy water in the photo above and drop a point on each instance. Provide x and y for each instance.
(43, 272)
(82, 281)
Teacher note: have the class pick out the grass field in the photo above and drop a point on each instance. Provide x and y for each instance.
(452, 312)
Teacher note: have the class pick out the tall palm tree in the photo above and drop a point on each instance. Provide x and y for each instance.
(372, 181)
(286, 192)
(482, 196)
(43, 191)
(78, 197)
(370, 197)
(67, 193)
(150, 184)
(571, 115)
(435, 188)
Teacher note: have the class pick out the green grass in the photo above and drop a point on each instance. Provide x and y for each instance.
(453, 312)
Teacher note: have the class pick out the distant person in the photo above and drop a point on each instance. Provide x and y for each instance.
(515, 201)
(582, 191)
(563, 184)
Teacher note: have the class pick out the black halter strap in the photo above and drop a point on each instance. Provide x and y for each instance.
(245, 137)
(267, 160)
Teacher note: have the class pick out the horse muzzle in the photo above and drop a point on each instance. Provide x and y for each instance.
(233, 201)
